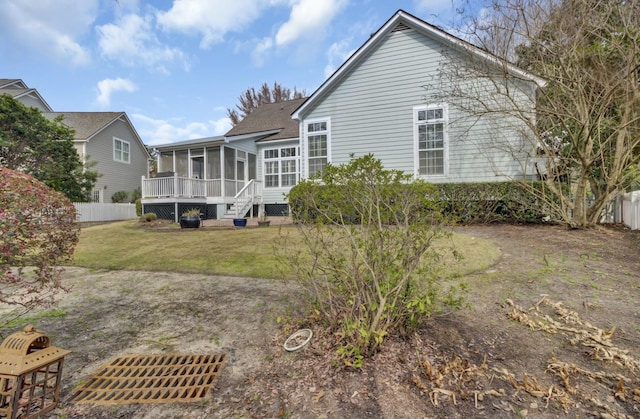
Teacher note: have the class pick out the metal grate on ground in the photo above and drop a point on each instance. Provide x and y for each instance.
(151, 379)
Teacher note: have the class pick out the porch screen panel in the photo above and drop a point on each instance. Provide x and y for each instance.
(182, 163)
(253, 172)
(214, 165)
(166, 161)
(229, 163)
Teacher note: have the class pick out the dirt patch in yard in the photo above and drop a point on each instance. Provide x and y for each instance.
(553, 330)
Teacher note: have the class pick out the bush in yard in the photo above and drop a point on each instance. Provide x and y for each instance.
(120, 197)
(138, 207)
(150, 216)
(367, 264)
(136, 194)
(38, 234)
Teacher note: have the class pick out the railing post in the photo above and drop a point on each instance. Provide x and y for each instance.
(175, 184)
(143, 188)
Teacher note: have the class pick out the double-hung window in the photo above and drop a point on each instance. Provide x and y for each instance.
(431, 140)
(317, 139)
(280, 167)
(121, 151)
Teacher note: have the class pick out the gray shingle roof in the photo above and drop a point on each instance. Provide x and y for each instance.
(270, 117)
(86, 124)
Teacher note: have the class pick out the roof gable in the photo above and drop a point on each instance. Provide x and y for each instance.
(401, 21)
(89, 124)
(20, 92)
(17, 89)
(85, 124)
(270, 121)
(12, 83)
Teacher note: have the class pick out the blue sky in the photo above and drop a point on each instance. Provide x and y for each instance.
(175, 66)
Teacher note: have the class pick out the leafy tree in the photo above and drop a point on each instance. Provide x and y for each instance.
(38, 234)
(252, 98)
(584, 135)
(367, 263)
(32, 144)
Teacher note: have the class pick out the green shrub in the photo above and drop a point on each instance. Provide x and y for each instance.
(491, 202)
(367, 265)
(120, 197)
(150, 216)
(460, 203)
(136, 194)
(138, 207)
(39, 233)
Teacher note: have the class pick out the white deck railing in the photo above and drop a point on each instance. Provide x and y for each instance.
(183, 187)
(250, 194)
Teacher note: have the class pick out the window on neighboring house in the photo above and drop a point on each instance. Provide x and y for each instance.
(121, 150)
(317, 139)
(431, 139)
(280, 167)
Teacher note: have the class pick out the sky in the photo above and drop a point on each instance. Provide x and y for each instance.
(176, 66)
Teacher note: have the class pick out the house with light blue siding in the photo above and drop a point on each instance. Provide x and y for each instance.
(389, 99)
(402, 96)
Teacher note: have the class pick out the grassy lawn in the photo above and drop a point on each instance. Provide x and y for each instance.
(243, 252)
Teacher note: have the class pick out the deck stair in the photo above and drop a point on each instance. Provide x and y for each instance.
(244, 200)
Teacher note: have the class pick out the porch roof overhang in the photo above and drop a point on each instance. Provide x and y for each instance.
(264, 141)
(182, 145)
(257, 135)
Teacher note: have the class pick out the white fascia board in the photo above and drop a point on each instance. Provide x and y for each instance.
(258, 135)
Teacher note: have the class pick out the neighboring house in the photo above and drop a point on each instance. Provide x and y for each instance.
(17, 89)
(386, 99)
(108, 140)
(110, 144)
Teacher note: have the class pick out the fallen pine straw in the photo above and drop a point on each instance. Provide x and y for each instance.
(599, 340)
(456, 379)
(587, 335)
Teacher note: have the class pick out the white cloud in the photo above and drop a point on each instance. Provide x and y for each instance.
(158, 131)
(49, 26)
(107, 87)
(433, 6)
(132, 41)
(336, 55)
(307, 19)
(221, 126)
(444, 12)
(212, 19)
(260, 51)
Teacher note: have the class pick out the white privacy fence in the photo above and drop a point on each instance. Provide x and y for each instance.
(627, 210)
(93, 212)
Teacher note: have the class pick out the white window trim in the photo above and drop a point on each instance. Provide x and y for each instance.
(114, 150)
(280, 159)
(416, 142)
(305, 125)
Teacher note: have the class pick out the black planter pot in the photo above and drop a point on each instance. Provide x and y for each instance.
(240, 222)
(190, 221)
